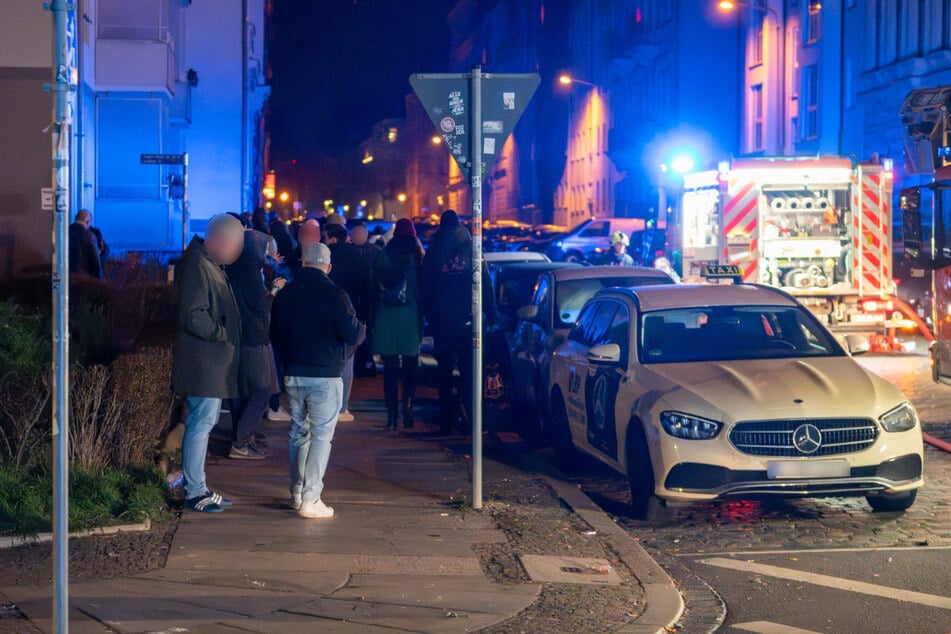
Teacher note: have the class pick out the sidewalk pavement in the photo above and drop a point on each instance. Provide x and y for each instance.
(401, 554)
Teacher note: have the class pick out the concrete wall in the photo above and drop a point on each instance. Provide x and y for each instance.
(25, 165)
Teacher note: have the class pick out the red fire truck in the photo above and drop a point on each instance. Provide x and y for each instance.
(926, 209)
(819, 228)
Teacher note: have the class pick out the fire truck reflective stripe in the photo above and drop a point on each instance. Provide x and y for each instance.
(735, 217)
(871, 251)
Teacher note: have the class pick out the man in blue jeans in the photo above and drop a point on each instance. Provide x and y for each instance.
(313, 328)
(205, 352)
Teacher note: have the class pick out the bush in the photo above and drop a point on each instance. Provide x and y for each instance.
(142, 381)
(24, 419)
(95, 499)
(24, 345)
(95, 413)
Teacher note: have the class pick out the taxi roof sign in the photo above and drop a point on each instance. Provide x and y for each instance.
(722, 271)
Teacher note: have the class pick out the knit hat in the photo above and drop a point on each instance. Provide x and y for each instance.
(404, 228)
(315, 253)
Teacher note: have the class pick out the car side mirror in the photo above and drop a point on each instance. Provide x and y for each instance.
(856, 344)
(527, 313)
(606, 354)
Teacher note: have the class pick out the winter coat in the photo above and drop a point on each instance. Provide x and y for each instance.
(397, 330)
(252, 296)
(351, 272)
(446, 285)
(256, 371)
(205, 351)
(313, 325)
(83, 251)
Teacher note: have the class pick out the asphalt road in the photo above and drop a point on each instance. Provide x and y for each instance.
(823, 565)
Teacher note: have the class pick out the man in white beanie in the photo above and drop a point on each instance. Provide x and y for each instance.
(313, 325)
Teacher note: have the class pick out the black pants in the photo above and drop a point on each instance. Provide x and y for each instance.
(274, 402)
(450, 355)
(246, 413)
(394, 368)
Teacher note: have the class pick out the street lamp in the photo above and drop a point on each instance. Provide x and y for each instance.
(436, 139)
(285, 197)
(401, 198)
(731, 5)
(566, 80)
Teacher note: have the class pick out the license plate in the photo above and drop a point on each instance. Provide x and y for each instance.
(783, 469)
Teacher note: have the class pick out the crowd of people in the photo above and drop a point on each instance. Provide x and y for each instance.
(265, 309)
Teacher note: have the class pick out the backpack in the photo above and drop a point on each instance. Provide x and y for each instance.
(396, 293)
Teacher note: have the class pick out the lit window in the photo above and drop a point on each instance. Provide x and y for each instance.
(757, 121)
(756, 42)
(810, 101)
(812, 22)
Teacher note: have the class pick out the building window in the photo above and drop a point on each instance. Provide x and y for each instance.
(756, 41)
(141, 20)
(813, 22)
(757, 121)
(810, 102)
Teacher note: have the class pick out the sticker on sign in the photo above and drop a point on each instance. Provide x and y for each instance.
(448, 124)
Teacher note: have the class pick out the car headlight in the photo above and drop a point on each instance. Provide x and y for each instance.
(558, 244)
(902, 418)
(689, 427)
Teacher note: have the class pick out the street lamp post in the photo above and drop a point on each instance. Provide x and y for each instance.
(730, 5)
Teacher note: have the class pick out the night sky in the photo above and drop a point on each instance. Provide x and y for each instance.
(339, 66)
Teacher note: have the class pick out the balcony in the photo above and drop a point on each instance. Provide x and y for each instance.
(135, 65)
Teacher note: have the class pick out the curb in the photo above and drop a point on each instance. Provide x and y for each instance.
(665, 605)
(40, 538)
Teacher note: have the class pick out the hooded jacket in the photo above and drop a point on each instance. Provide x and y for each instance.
(446, 282)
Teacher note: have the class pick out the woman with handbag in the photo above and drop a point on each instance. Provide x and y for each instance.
(398, 323)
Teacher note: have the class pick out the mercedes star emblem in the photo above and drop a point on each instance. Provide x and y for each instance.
(807, 439)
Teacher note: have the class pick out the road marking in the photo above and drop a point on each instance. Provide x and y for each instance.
(767, 627)
(798, 551)
(887, 592)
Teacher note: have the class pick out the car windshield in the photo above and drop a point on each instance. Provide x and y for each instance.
(728, 333)
(571, 295)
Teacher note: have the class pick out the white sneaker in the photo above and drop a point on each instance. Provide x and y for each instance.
(316, 510)
(295, 501)
(280, 416)
(345, 417)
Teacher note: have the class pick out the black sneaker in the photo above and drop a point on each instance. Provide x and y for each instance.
(204, 504)
(259, 438)
(250, 451)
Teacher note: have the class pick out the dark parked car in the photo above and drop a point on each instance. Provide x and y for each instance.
(544, 323)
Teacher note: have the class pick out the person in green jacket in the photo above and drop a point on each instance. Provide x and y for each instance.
(398, 321)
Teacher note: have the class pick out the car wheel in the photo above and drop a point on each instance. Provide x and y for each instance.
(892, 502)
(640, 474)
(574, 256)
(566, 456)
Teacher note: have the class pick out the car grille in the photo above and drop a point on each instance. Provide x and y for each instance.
(774, 438)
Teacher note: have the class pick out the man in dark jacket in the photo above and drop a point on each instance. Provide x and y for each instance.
(257, 376)
(353, 274)
(446, 290)
(313, 326)
(84, 254)
(205, 352)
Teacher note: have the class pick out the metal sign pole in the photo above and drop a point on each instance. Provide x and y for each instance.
(184, 201)
(64, 42)
(475, 170)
